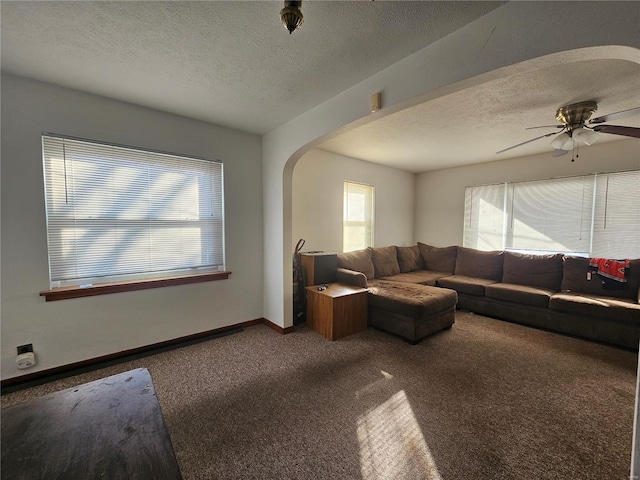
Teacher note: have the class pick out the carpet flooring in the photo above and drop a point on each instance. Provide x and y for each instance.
(485, 400)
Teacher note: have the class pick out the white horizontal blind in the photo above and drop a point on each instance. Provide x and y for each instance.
(121, 213)
(357, 216)
(616, 228)
(589, 215)
(552, 215)
(485, 218)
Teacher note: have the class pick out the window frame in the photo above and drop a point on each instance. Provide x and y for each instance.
(369, 206)
(120, 282)
(104, 288)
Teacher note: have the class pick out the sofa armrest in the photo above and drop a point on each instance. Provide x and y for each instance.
(351, 277)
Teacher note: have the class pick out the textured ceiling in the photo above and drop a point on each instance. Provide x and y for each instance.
(471, 125)
(230, 63)
(233, 64)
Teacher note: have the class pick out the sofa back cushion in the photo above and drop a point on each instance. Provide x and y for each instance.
(358, 260)
(438, 259)
(479, 264)
(409, 259)
(576, 271)
(542, 271)
(385, 261)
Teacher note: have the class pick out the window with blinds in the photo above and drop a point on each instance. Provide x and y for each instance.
(551, 215)
(357, 216)
(592, 215)
(485, 219)
(116, 213)
(616, 216)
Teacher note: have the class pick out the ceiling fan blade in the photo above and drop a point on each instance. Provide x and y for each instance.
(545, 126)
(558, 152)
(616, 115)
(618, 130)
(528, 141)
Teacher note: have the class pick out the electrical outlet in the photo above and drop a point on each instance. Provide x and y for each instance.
(25, 348)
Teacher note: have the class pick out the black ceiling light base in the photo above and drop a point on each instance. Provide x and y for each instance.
(291, 16)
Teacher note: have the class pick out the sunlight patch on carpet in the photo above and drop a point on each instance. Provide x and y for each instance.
(392, 444)
(375, 385)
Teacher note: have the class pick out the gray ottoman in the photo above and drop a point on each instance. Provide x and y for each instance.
(410, 311)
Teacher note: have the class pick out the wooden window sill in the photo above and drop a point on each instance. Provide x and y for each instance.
(64, 293)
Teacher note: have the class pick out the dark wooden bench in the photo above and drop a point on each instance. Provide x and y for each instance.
(111, 428)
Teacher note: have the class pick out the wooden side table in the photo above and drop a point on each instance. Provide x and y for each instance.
(338, 311)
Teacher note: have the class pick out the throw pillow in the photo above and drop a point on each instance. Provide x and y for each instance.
(438, 259)
(385, 261)
(409, 259)
(542, 271)
(479, 264)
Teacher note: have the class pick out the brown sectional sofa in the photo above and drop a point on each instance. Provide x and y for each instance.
(405, 303)
(547, 291)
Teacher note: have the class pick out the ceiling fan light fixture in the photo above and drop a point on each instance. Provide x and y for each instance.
(291, 16)
(577, 127)
(584, 135)
(562, 141)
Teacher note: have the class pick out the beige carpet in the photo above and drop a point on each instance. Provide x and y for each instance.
(485, 400)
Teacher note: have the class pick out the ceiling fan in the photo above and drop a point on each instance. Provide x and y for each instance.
(578, 129)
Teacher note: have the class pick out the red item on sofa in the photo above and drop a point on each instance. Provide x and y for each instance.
(611, 269)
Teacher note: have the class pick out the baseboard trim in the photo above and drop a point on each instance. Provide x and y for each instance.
(43, 376)
(278, 328)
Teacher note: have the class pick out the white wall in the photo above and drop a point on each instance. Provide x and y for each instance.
(515, 38)
(68, 331)
(318, 180)
(440, 193)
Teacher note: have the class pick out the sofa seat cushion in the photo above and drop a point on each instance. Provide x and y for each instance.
(421, 277)
(522, 294)
(358, 260)
(385, 261)
(463, 284)
(414, 301)
(409, 259)
(619, 309)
